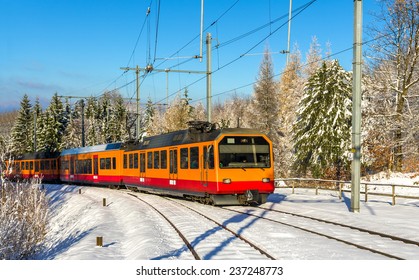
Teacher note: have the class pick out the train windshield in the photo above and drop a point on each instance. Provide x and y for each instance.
(244, 152)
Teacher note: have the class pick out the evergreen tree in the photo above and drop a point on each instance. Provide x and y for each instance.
(22, 131)
(54, 124)
(265, 103)
(322, 132)
(92, 131)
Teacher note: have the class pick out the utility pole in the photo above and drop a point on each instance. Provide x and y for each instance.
(137, 75)
(356, 107)
(289, 31)
(35, 114)
(209, 95)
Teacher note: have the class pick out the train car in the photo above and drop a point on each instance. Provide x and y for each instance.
(215, 166)
(39, 165)
(97, 165)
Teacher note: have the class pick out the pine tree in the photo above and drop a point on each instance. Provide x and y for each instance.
(92, 130)
(37, 113)
(322, 132)
(54, 125)
(265, 103)
(22, 131)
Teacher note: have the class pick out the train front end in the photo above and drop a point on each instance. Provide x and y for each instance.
(244, 163)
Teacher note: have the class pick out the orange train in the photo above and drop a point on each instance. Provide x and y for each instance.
(215, 166)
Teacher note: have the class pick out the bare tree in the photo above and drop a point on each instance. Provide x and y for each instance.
(394, 66)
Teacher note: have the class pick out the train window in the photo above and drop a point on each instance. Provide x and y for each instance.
(142, 162)
(125, 161)
(163, 159)
(23, 166)
(135, 160)
(47, 165)
(149, 160)
(184, 158)
(88, 166)
(102, 163)
(36, 166)
(157, 160)
(114, 163)
(31, 165)
(131, 161)
(244, 152)
(108, 163)
(194, 154)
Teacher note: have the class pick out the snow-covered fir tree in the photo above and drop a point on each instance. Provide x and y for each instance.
(265, 103)
(22, 131)
(322, 132)
(91, 129)
(54, 122)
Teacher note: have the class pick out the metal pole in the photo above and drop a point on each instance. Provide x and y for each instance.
(209, 77)
(137, 72)
(83, 142)
(34, 131)
(289, 31)
(202, 30)
(356, 107)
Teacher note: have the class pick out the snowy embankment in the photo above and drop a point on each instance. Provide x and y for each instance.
(77, 219)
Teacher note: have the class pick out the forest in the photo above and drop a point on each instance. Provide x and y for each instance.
(305, 109)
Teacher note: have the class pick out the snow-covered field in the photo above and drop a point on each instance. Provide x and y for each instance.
(133, 232)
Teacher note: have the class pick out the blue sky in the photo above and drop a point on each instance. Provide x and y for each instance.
(76, 47)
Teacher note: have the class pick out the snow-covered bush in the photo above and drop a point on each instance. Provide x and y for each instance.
(23, 219)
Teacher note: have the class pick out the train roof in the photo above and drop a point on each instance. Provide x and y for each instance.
(182, 137)
(92, 149)
(38, 155)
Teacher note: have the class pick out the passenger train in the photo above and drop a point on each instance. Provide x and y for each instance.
(230, 166)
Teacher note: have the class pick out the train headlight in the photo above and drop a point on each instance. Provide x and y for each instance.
(266, 180)
(227, 181)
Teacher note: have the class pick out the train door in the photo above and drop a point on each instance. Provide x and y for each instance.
(204, 167)
(173, 167)
(95, 168)
(142, 168)
(72, 168)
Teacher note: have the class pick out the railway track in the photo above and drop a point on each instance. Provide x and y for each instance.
(362, 238)
(204, 239)
(238, 221)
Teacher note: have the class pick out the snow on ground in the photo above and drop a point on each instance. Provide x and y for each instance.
(133, 231)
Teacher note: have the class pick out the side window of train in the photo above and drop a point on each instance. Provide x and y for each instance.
(156, 160)
(114, 163)
(135, 160)
(102, 163)
(36, 166)
(194, 154)
(149, 160)
(184, 158)
(163, 159)
(131, 161)
(125, 161)
(31, 165)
